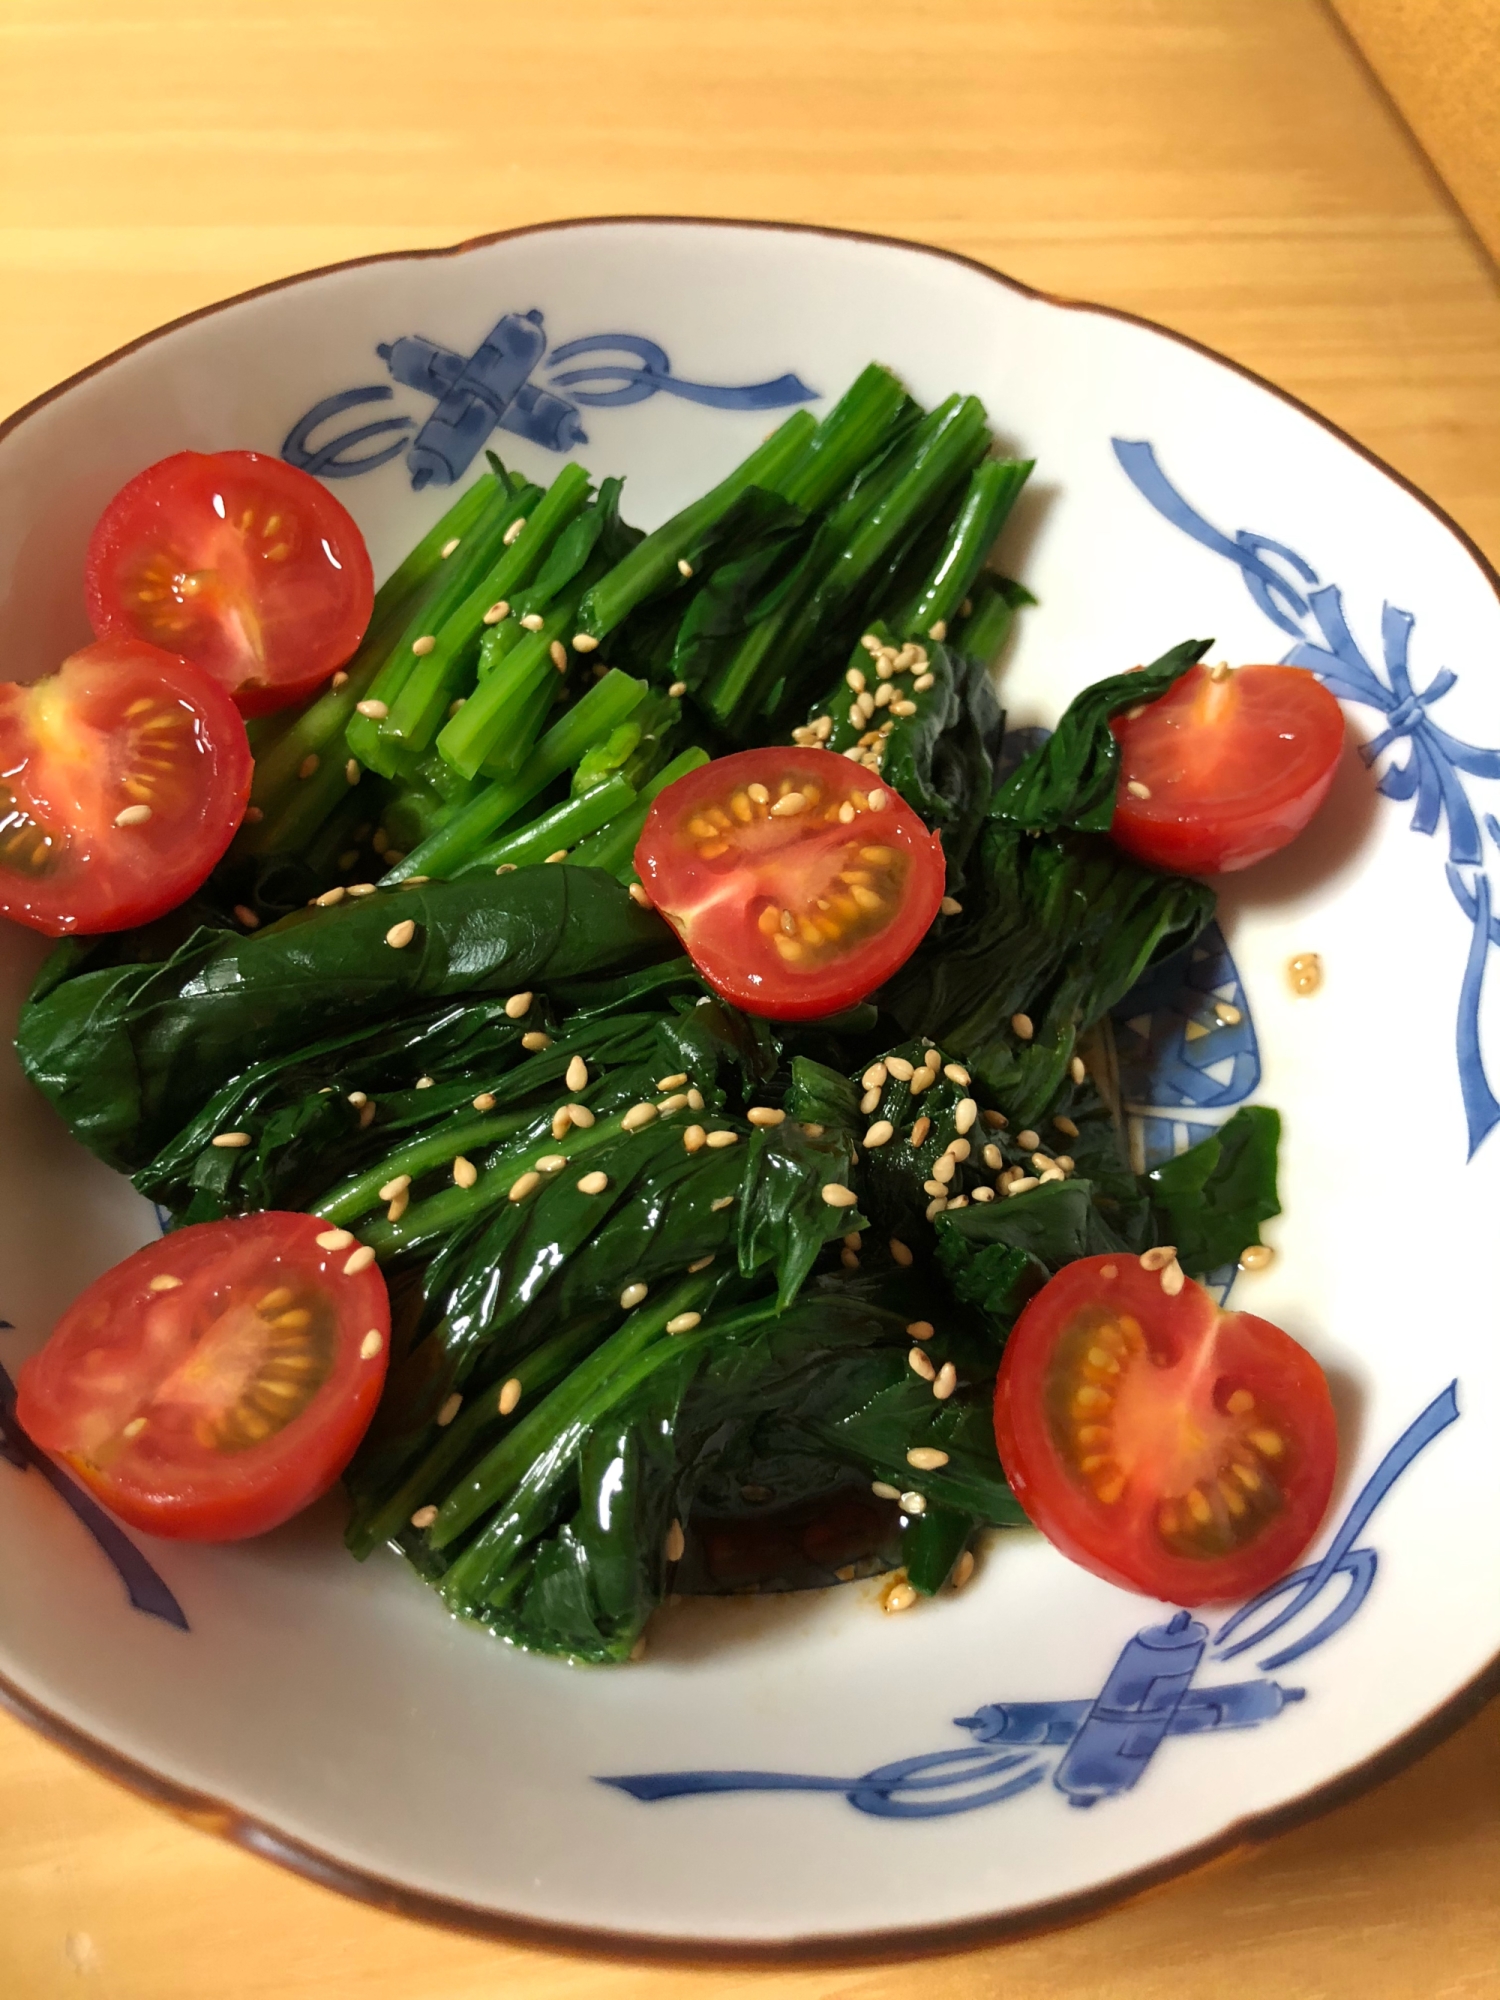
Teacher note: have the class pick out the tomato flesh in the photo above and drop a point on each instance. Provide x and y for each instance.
(1163, 1444)
(122, 779)
(796, 885)
(217, 1382)
(1225, 767)
(244, 565)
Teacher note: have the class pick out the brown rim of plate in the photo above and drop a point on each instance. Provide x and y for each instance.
(213, 1815)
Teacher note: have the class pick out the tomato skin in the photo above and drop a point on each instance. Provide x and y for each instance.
(849, 921)
(241, 563)
(118, 725)
(199, 1354)
(1168, 1429)
(1235, 767)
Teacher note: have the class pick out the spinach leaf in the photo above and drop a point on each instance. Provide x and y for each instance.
(1211, 1200)
(127, 1054)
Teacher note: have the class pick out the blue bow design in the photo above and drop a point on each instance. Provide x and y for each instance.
(654, 374)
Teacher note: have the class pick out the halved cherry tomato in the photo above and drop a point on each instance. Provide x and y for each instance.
(796, 884)
(1225, 767)
(244, 565)
(1166, 1445)
(122, 779)
(218, 1381)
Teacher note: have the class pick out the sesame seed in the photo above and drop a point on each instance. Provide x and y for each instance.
(533, 621)
(637, 1116)
(684, 567)
(1228, 1013)
(673, 1082)
(1173, 1278)
(449, 1410)
(424, 1517)
(1028, 1141)
(498, 610)
(632, 1296)
(228, 1141)
(1137, 790)
(164, 1282)
(880, 1133)
(536, 1041)
(552, 1163)
(900, 1597)
(557, 652)
(247, 916)
(838, 1196)
(376, 710)
(594, 1183)
(938, 631)
(484, 1101)
(1021, 1027)
(510, 1395)
(900, 1068)
(724, 1201)
(398, 1184)
(1159, 1258)
(721, 1139)
(1077, 1070)
(926, 1457)
(946, 1383)
(357, 1261)
(560, 854)
(684, 1322)
(519, 1189)
(579, 1115)
(884, 1492)
(677, 690)
(424, 1083)
(1254, 1257)
(577, 1075)
(694, 1139)
(936, 1207)
(448, 547)
(516, 529)
(963, 1569)
(399, 936)
(133, 816)
(334, 1239)
(763, 1114)
(922, 683)
(465, 1173)
(361, 889)
(585, 642)
(700, 1264)
(920, 1364)
(518, 1004)
(423, 646)
(638, 895)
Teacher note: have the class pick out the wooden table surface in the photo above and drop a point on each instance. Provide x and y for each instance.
(1229, 167)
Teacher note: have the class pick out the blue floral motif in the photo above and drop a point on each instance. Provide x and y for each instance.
(492, 388)
(1432, 775)
(1150, 1693)
(143, 1586)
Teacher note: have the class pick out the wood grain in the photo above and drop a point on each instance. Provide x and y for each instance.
(1226, 168)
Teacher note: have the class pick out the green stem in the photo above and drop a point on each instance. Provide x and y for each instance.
(653, 562)
(561, 828)
(985, 630)
(436, 1148)
(855, 428)
(614, 849)
(592, 717)
(993, 490)
(489, 712)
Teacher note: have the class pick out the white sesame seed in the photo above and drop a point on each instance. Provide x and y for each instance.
(520, 1188)
(880, 1133)
(361, 889)
(229, 1141)
(926, 1458)
(484, 1101)
(922, 683)
(465, 1173)
(559, 854)
(594, 1183)
(763, 1114)
(884, 1492)
(585, 642)
(515, 530)
(684, 567)
(900, 1597)
(673, 1082)
(677, 690)
(518, 1004)
(424, 1517)
(247, 916)
(338, 679)
(1076, 1069)
(1173, 1278)
(838, 1196)
(133, 816)
(536, 1040)
(632, 1296)
(552, 1163)
(497, 612)
(684, 1322)
(577, 1075)
(449, 1410)
(376, 710)
(424, 1083)
(399, 936)
(721, 1139)
(637, 1116)
(694, 1139)
(557, 652)
(913, 1503)
(724, 1201)
(374, 1340)
(358, 1260)
(1137, 790)
(1254, 1257)
(946, 1383)
(695, 1096)
(938, 631)
(1159, 1258)
(638, 895)
(423, 646)
(533, 621)
(398, 1184)
(921, 1364)
(510, 1395)
(334, 1239)
(579, 1115)
(1022, 1027)
(1228, 1013)
(899, 1068)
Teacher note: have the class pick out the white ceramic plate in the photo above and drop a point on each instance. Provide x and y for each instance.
(331, 1714)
